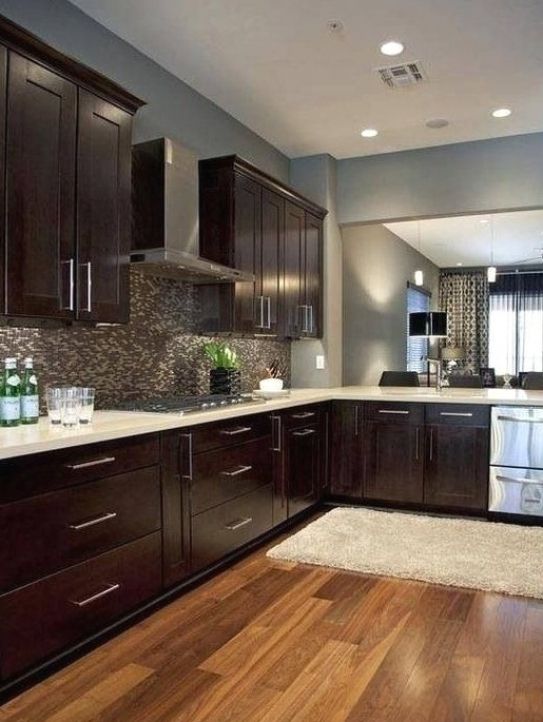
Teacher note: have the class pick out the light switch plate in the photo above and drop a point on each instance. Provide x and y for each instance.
(319, 362)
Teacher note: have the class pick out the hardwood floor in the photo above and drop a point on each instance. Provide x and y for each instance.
(278, 642)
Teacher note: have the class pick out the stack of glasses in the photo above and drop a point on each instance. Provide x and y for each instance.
(69, 406)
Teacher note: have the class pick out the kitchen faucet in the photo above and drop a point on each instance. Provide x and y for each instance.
(439, 371)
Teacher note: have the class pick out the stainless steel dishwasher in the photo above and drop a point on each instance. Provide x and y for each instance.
(516, 461)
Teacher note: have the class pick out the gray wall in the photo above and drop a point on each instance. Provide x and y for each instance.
(174, 109)
(376, 267)
(489, 175)
(315, 176)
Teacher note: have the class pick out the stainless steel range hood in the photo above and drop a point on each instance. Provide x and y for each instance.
(165, 212)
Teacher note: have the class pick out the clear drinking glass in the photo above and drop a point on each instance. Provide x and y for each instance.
(70, 406)
(53, 395)
(87, 405)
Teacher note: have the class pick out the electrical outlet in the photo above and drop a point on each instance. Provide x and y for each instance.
(319, 362)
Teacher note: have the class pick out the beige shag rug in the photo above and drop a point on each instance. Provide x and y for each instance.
(457, 552)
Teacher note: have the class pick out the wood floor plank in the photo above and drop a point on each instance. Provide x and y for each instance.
(267, 641)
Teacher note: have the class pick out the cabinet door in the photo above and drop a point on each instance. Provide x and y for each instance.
(303, 466)
(103, 210)
(456, 473)
(248, 237)
(311, 280)
(293, 265)
(41, 165)
(394, 462)
(346, 449)
(176, 466)
(268, 262)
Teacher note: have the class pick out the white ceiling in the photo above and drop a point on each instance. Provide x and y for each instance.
(447, 242)
(277, 68)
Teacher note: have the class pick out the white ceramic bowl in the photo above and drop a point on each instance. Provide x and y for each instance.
(271, 385)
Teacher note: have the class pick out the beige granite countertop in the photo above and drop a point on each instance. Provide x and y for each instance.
(107, 425)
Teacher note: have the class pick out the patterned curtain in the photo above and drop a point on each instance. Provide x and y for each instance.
(464, 296)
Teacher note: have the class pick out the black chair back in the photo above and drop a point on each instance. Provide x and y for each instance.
(533, 381)
(458, 381)
(399, 378)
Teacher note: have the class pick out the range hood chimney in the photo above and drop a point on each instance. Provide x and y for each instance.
(165, 237)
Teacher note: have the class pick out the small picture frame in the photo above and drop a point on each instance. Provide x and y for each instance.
(488, 378)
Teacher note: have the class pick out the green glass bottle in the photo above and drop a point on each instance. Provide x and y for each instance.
(10, 394)
(30, 400)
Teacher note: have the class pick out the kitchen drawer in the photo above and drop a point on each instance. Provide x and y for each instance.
(38, 473)
(43, 618)
(395, 412)
(225, 474)
(230, 432)
(55, 530)
(302, 416)
(457, 414)
(227, 527)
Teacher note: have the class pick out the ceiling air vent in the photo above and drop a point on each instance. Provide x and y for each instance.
(402, 76)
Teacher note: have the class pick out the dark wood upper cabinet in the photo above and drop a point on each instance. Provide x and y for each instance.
(457, 457)
(253, 222)
(67, 132)
(41, 166)
(293, 270)
(103, 197)
(347, 449)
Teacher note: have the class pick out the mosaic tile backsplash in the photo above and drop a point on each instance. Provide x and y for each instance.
(157, 354)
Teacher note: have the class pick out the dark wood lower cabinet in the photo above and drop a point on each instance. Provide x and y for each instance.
(45, 617)
(457, 457)
(175, 458)
(347, 449)
(303, 466)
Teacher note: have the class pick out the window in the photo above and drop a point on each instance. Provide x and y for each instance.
(418, 300)
(515, 341)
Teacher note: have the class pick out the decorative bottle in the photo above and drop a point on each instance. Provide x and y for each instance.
(30, 400)
(10, 394)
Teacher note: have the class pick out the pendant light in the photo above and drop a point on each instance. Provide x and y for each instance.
(491, 271)
(419, 275)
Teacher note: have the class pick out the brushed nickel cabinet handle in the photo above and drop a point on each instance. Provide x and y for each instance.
(520, 420)
(417, 443)
(237, 472)
(466, 414)
(303, 415)
(356, 420)
(235, 432)
(394, 411)
(92, 522)
(88, 267)
(89, 600)
(268, 303)
(305, 432)
(431, 444)
(511, 479)
(94, 462)
(238, 523)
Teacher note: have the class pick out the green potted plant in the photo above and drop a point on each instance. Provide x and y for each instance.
(225, 376)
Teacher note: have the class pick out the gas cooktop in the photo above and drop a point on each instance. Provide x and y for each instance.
(187, 404)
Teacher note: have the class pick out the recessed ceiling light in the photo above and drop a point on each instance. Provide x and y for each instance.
(484, 221)
(391, 47)
(334, 26)
(369, 133)
(501, 113)
(436, 123)
(459, 263)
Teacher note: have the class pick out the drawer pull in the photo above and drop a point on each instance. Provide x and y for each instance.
(95, 462)
(303, 415)
(305, 432)
(235, 432)
(236, 472)
(466, 414)
(89, 600)
(238, 523)
(394, 411)
(91, 522)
